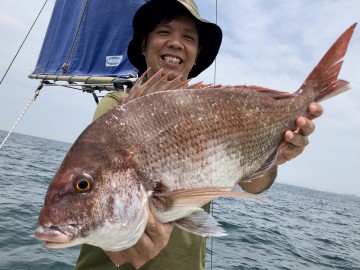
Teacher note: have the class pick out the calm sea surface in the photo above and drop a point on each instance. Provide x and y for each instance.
(299, 229)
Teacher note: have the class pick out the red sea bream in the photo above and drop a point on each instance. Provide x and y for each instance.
(175, 150)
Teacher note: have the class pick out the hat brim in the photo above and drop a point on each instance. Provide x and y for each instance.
(210, 35)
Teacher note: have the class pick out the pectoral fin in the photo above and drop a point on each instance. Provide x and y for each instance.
(183, 203)
(197, 197)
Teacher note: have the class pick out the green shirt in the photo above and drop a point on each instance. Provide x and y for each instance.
(184, 251)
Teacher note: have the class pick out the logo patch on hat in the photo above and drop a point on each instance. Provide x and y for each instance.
(113, 61)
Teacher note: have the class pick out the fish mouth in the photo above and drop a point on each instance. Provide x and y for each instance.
(57, 236)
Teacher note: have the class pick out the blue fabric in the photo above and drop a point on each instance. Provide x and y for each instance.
(101, 42)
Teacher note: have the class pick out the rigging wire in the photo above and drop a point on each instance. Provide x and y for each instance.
(66, 64)
(216, 20)
(37, 91)
(32, 99)
(23, 43)
(212, 203)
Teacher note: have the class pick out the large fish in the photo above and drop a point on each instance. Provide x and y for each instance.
(174, 150)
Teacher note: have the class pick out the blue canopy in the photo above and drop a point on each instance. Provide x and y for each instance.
(88, 38)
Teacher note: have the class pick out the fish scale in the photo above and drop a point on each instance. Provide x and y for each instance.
(172, 151)
(197, 137)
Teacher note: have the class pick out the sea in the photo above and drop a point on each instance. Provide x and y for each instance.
(297, 228)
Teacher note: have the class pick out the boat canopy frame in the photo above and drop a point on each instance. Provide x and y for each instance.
(85, 46)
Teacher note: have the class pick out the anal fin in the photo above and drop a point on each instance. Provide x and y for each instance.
(263, 178)
(260, 182)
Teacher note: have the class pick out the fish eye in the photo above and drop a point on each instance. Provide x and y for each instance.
(83, 183)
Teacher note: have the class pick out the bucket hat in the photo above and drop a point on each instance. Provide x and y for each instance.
(210, 34)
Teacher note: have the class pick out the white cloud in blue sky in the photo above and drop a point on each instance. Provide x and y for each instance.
(273, 44)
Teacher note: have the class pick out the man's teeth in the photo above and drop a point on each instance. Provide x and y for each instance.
(172, 59)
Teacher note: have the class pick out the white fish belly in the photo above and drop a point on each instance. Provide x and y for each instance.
(214, 167)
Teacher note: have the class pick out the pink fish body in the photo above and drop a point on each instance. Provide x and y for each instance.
(175, 150)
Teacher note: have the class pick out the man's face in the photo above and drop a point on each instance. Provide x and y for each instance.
(172, 46)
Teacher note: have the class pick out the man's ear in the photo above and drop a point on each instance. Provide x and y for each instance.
(143, 46)
(197, 55)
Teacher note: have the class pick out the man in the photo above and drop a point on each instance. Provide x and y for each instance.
(171, 35)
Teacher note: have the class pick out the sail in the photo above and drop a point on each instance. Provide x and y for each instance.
(88, 38)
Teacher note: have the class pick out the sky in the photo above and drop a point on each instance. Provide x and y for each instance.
(273, 44)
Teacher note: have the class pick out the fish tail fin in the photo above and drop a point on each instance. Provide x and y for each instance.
(323, 80)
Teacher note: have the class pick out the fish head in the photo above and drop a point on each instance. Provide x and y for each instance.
(94, 201)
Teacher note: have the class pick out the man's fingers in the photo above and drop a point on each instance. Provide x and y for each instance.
(305, 126)
(314, 110)
(293, 140)
(289, 151)
(159, 233)
(154, 239)
(116, 257)
(133, 255)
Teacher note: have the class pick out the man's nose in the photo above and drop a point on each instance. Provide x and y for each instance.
(175, 42)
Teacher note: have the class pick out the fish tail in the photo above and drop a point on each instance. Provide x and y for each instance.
(323, 80)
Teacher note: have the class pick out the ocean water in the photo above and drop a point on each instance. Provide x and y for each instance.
(298, 229)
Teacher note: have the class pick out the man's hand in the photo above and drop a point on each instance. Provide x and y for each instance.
(295, 142)
(154, 239)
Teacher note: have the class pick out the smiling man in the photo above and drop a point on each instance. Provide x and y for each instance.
(171, 35)
(172, 46)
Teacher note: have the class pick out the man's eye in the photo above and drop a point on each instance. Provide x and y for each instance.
(163, 32)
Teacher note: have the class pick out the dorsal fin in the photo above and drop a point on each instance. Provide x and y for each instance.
(159, 82)
(155, 83)
(270, 92)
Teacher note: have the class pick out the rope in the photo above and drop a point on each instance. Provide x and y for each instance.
(22, 43)
(37, 92)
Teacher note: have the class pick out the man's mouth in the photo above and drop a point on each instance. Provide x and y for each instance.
(172, 59)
